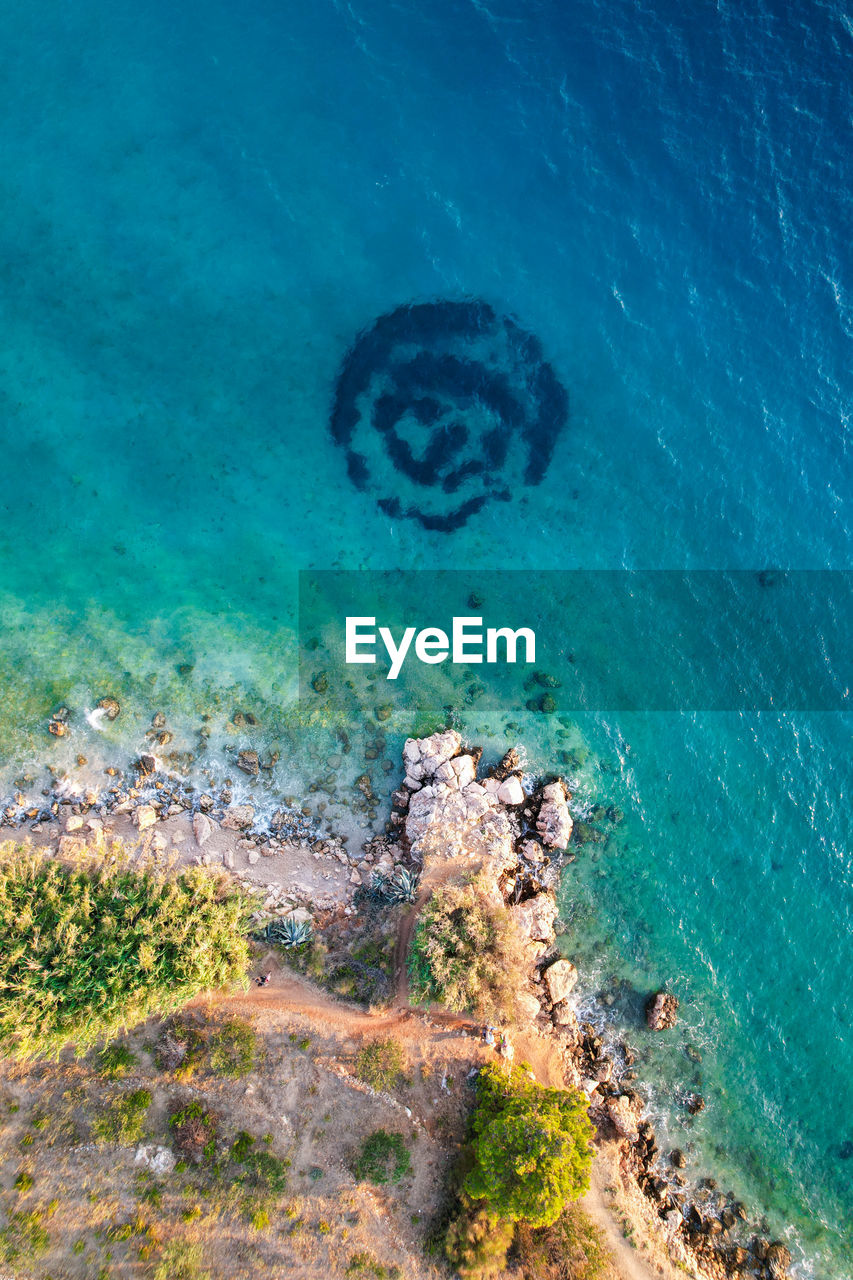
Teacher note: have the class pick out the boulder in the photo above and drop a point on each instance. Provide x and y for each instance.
(535, 917)
(554, 822)
(145, 816)
(73, 822)
(160, 1160)
(238, 817)
(528, 1007)
(560, 980)
(111, 707)
(623, 1117)
(511, 791)
(465, 770)
(661, 1011)
(248, 761)
(203, 828)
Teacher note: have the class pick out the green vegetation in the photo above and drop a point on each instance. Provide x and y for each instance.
(116, 1061)
(123, 1121)
(384, 1157)
(25, 1237)
(181, 1260)
(194, 1131)
(364, 1264)
(381, 1064)
(232, 1048)
(528, 1155)
(531, 1146)
(466, 953)
(90, 947)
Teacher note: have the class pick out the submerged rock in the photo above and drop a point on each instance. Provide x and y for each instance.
(111, 707)
(248, 761)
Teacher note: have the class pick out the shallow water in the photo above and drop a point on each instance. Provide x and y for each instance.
(202, 209)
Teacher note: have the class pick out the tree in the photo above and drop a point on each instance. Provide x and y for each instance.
(531, 1147)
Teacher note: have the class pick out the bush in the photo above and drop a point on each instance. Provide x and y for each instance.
(384, 1157)
(123, 1122)
(116, 1061)
(89, 948)
(467, 953)
(380, 1063)
(477, 1242)
(531, 1147)
(194, 1130)
(232, 1048)
(572, 1248)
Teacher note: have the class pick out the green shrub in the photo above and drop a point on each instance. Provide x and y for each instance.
(91, 947)
(123, 1122)
(232, 1048)
(384, 1157)
(467, 953)
(531, 1147)
(24, 1237)
(380, 1063)
(116, 1061)
(263, 1172)
(181, 1260)
(194, 1131)
(23, 1182)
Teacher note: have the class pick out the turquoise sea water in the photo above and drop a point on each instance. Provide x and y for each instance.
(202, 208)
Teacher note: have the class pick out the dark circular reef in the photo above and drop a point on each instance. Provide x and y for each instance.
(442, 406)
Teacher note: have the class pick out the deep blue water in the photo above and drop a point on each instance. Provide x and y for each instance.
(202, 206)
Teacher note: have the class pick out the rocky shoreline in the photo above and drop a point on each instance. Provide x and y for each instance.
(519, 837)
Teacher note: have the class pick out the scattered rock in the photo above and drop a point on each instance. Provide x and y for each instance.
(678, 1158)
(535, 917)
(623, 1117)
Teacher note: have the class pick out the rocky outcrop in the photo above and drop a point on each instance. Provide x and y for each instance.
(238, 817)
(560, 980)
(535, 917)
(554, 822)
(661, 1011)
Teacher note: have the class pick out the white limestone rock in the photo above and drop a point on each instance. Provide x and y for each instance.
(561, 978)
(554, 822)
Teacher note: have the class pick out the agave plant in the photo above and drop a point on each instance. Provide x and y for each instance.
(289, 932)
(399, 887)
